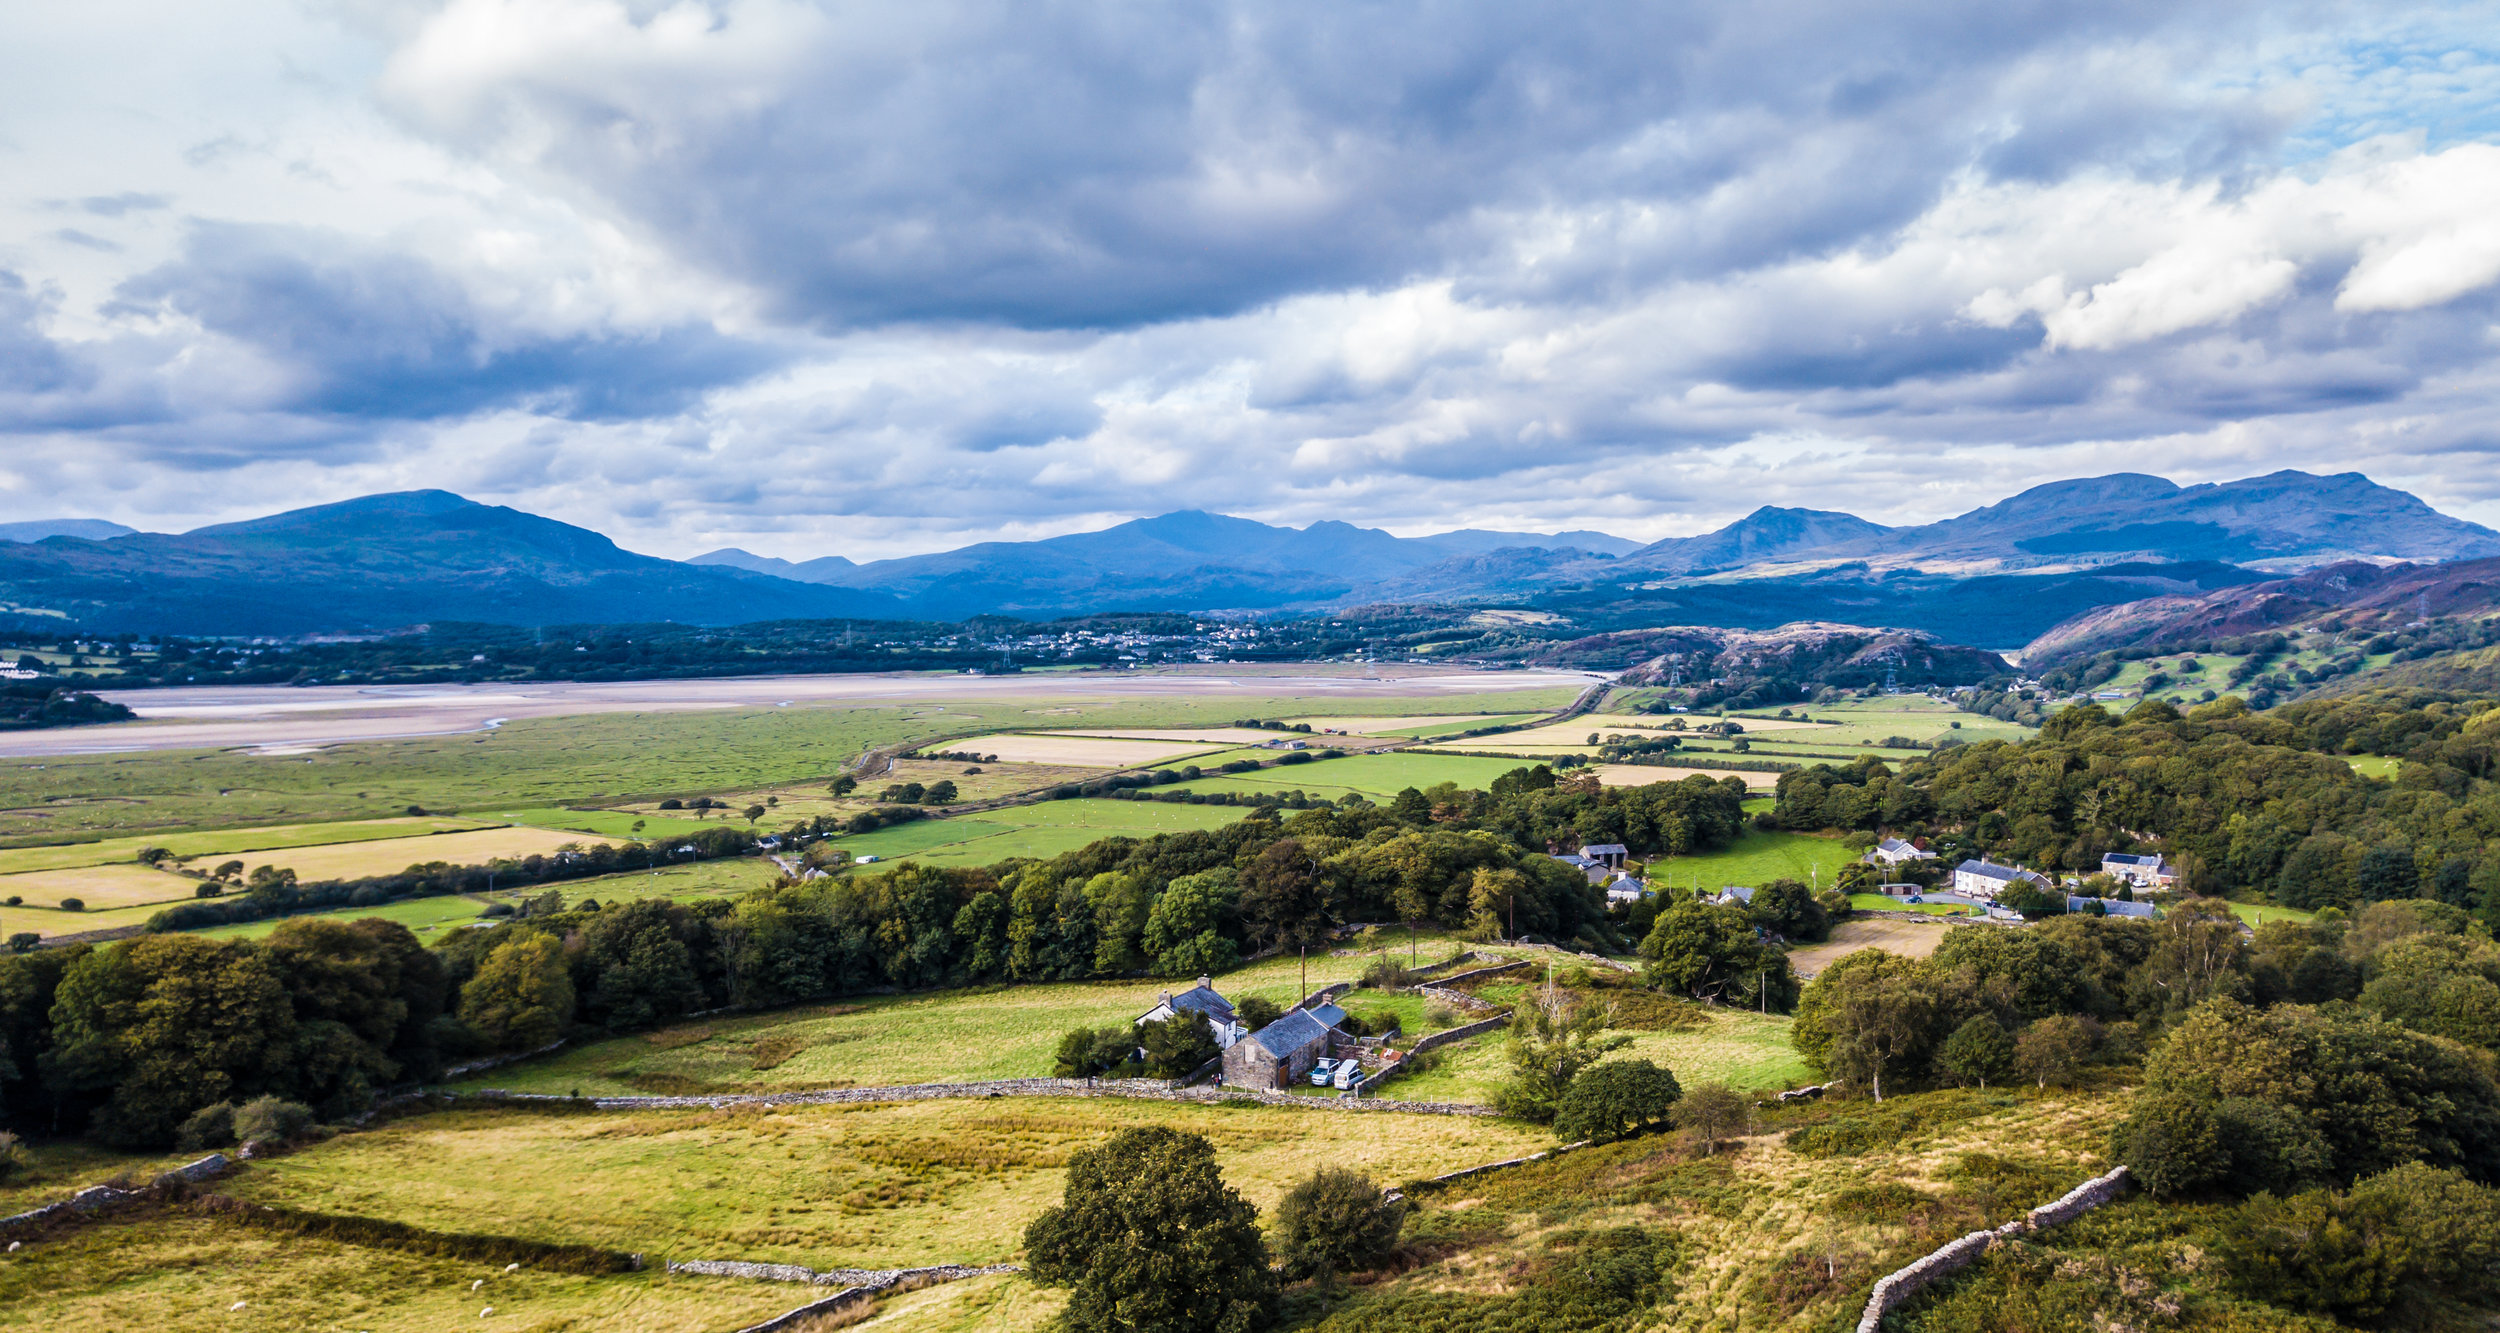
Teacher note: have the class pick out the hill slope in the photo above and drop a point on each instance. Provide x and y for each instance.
(384, 561)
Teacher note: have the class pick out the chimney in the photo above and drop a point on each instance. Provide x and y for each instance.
(1205, 982)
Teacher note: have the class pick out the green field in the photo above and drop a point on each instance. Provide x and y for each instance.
(1044, 829)
(1758, 858)
(2374, 765)
(426, 916)
(1734, 1047)
(1876, 902)
(1376, 776)
(2257, 914)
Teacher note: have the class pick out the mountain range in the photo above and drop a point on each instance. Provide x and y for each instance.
(1998, 575)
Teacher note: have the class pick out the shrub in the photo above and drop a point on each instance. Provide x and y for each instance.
(1712, 1112)
(73, 904)
(1615, 1100)
(1090, 1052)
(1384, 972)
(2168, 1141)
(208, 888)
(207, 1127)
(271, 1119)
(1336, 1221)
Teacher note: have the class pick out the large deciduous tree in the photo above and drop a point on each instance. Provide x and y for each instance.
(1149, 1237)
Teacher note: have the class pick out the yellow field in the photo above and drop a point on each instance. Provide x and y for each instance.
(1574, 734)
(66, 856)
(1641, 775)
(1910, 939)
(1077, 751)
(97, 886)
(357, 860)
(1384, 726)
(1201, 735)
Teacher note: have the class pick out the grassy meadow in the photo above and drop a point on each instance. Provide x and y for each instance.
(1731, 1046)
(1043, 830)
(426, 916)
(1758, 858)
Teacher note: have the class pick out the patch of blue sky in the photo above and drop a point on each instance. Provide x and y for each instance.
(2430, 75)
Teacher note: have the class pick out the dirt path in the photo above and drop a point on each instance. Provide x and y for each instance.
(1910, 939)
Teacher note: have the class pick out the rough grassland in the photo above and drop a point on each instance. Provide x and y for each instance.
(606, 759)
(1378, 776)
(1437, 725)
(1083, 751)
(184, 845)
(181, 1275)
(861, 1186)
(1641, 775)
(945, 1037)
(616, 824)
(48, 920)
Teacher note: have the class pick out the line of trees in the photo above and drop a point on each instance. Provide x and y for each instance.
(129, 1040)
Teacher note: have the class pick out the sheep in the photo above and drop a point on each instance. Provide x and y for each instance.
(477, 1284)
(485, 1312)
(236, 1306)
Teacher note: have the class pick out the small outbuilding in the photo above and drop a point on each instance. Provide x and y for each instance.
(1280, 1054)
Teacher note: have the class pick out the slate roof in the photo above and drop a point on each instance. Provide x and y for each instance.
(1605, 849)
(2120, 859)
(1739, 893)
(1204, 1000)
(2111, 906)
(1991, 870)
(1297, 1030)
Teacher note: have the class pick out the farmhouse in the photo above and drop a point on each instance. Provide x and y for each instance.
(1278, 1055)
(1734, 895)
(1987, 879)
(1893, 852)
(1626, 890)
(1200, 999)
(1607, 854)
(2144, 872)
(1597, 871)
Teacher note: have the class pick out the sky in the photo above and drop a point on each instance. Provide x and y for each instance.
(870, 279)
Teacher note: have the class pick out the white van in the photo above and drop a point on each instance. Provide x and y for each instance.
(1349, 1073)
(1323, 1072)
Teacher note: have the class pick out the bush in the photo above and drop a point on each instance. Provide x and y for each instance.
(1337, 1221)
(2169, 1142)
(1384, 972)
(271, 1119)
(207, 1127)
(1712, 1112)
(208, 888)
(1092, 1052)
(1615, 1100)
(1978, 1051)
(73, 904)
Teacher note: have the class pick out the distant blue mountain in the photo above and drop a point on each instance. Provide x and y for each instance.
(90, 529)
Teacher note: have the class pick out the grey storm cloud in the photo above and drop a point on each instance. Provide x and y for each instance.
(881, 276)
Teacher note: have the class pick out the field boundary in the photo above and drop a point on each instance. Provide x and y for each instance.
(1144, 1089)
(1894, 1289)
(96, 1197)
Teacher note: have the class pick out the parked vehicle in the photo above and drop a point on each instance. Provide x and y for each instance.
(1323, 1072)
(1349, 1073)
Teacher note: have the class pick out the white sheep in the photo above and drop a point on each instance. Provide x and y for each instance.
(512, 1268)
(485, 1312)
(477, 1284)
(236, 1306)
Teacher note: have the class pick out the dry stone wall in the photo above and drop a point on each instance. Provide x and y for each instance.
(1017, 1087)
(96, 1197)
(1896, 1288)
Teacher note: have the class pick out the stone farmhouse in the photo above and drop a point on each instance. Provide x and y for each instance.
(1893, 852)
(1987, 879)
(2144, 872)
(1200, 999)
(1280, 1054)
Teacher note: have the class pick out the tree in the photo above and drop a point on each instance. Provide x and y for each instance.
(1257, 1012)
(1711, 953)
(644, 972)
(1978, 1051)
(1090, 1052)
(1616, 1100)
(941, 792)
(753, 813)
(1336, 1221)
(2170, 1145)
(1184, 929)
(2052, 1048)
(522, 997)
(1787, 908)
(164, 1025)
(1710, 1113)
(1149, 1237)
(1551, 1040)
(1871, 1014)
(844, 785)
(1285, 896)
(1176, 1047)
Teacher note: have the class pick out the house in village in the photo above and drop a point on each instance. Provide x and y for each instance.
(1607, 854)
(2144, 872)
(1734, 895)
(1200, 999)
(1893, 852)
(1626, 890)
(1280, 1054)
(1598, 872)
(1987, 879)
